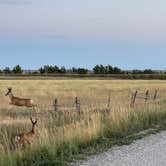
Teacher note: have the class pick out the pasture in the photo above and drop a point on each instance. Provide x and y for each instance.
(62, 135)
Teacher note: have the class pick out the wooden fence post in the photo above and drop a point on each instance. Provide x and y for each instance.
(155, 95)
(132, 96)
(78, 105)
(56, 105)
(109, 101)
(133, 99)
(146, 95)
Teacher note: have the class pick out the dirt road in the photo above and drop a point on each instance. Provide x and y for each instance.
(149, 151)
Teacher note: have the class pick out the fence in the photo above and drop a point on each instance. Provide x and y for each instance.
(77, 104)
(140, 96)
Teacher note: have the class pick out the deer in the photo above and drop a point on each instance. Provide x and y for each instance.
(17, 101)
(24, 139)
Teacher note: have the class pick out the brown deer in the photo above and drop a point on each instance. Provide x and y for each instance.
(19, 101)
(24, 139)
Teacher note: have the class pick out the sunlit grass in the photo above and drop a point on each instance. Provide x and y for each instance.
(62, 136)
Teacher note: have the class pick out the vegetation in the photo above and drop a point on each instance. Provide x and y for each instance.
(98, 69)
(66, 135)
(17, 69)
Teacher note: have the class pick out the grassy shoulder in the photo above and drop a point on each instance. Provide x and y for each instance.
(113, 129)
(115, 139)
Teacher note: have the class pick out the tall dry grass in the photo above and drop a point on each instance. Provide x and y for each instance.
(66, 134)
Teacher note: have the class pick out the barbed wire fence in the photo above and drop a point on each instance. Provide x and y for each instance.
(78, 106)
(146, 97)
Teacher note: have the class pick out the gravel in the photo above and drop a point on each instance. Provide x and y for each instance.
(149, 151)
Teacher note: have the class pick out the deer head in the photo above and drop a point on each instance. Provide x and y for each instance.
(9, 91)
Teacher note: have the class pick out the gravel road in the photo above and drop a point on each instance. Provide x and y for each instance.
(149, 151)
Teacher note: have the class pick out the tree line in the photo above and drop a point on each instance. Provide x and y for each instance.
(98, 69)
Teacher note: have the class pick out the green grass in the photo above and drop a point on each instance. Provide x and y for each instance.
(123, 132)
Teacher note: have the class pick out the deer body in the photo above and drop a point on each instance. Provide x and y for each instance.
(19, 101)
(26, 138)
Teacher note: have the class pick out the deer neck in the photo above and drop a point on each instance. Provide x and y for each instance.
(11, 96)
(33, 129)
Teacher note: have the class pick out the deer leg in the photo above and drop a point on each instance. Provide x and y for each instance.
(10, 112)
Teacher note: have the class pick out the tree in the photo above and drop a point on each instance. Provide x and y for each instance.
(50, 69)
(96, 69)
(17, 69)
(62, 70)
(135, 71)
(102, 69)
(117, 70)
(99, 69)
(82, 71)
(56, 69)
(42, 70)
(148, 71)
(109, 69)
(74, 70)
(7, 70)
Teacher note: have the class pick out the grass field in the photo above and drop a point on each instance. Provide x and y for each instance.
(68, 135)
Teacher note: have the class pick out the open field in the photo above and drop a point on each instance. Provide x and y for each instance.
(62, 136)
(129, 76)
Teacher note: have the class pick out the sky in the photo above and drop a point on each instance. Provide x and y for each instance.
(130, 34)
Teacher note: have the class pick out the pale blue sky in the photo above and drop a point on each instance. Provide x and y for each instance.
(129, 34)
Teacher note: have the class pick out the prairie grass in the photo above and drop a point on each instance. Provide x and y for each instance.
(67, 135)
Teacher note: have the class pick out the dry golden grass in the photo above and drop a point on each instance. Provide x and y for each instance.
(68, 129)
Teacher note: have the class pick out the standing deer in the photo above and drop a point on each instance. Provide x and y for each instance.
(24, 139)
(19, 101)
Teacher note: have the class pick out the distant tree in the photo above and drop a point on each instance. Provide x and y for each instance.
(137, 71)
(74, 70)
(102, 69)
(109, 69)
(49, 69)
(96, 69)
(56, 69)
(7, 70)
(117, 70)
(148, 71)
(17, 69)
(82, 71)
(69, 71)
(62, 70)
(99, 69)
(42, 70)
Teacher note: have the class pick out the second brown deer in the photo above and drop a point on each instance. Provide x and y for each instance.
(24, 139)
(18, 101)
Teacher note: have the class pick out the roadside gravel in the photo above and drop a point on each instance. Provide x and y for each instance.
(149, 151)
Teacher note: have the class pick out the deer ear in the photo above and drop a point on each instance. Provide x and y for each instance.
(31, 119)
(33, 122)
(36, 121)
